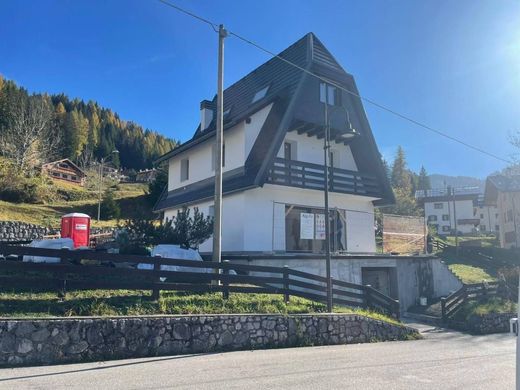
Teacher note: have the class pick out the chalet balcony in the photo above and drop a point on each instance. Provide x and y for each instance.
(312, 176)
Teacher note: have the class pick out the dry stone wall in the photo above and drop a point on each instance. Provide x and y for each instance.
(52, 341)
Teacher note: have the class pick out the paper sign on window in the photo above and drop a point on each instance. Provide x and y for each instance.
(320, 226)
(306, 226)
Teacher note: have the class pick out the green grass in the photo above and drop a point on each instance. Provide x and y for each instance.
(479, 308)
(126, 302)
(470, 274)
(130, 196)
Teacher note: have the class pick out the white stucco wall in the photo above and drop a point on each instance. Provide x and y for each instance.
(232, 223)
(238, 143)
(265, 217)
(310, 149)
(464, 210)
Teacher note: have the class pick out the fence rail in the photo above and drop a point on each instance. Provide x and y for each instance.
(88, 269)
(453, 302)
(308, 175)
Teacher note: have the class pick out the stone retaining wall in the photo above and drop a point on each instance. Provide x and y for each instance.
(42, 341)
(21, 231)
(486, 324)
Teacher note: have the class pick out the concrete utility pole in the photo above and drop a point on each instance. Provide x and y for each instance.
(217, 227)
(326, 151)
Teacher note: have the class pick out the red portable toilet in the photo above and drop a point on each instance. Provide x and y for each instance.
(77, 227)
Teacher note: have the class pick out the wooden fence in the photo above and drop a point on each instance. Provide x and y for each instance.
(453, 302)
(88, 269)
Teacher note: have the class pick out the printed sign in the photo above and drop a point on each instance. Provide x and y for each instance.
(320, 226)
(306, 226)
(81, 226)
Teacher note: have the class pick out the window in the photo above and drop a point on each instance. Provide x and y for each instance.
(305, 229)
(214, 156)
(55, 174)
(438, 206)
(74, 178)
(185, 169)
(211, 211)
(64, 175)
(509, 215)
(445, 229)
(482, 228)
(496, 215)
(497, 228)
(445, 217)
(432, 218)
(481, 216)
(330, 95)
(260, 94)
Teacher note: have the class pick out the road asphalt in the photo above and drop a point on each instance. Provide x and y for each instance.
(443, 360)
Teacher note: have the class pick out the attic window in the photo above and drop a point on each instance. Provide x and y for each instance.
(260, 94)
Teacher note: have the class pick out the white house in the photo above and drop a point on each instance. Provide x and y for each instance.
(504, 193)
(451, 209)
(488, 216)
(273, 176)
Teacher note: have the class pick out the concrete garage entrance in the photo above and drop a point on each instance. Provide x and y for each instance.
(383, 279)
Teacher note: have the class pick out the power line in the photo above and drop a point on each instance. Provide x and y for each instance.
(370, 101)
(186, 12)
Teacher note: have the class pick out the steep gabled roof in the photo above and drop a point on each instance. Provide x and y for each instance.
(69, 162)
(288, 87)
(500, 183)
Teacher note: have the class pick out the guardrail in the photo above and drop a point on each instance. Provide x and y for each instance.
(87, 269)
(453, 302)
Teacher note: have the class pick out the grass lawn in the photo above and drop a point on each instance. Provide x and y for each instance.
(470, 274)
(126, 302)
(491, 305)
(130, 196)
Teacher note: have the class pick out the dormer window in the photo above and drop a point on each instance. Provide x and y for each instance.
(260, 94)
(330, 95)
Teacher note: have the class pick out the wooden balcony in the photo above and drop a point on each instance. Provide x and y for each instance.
(312, 176)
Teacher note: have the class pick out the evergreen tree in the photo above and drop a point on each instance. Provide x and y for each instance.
(424, 180)
(400, 177)
(109, 207)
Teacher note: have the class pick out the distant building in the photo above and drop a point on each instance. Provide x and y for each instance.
(146, 175)
(488, 216)
(64, 170)
(451, 210)
(504, 193)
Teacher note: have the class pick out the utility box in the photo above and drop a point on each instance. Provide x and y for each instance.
(76, 226)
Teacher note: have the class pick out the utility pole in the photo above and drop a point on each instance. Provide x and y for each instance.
(217, 227)
(326, 151)
(455, 221)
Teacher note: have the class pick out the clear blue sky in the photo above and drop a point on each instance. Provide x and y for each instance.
(454, 65)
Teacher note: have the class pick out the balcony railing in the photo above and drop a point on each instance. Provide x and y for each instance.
(312, 176)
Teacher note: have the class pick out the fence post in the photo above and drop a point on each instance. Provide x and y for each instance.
(286, 283)
(225, 283)
(63, 292)
(368, 298)
(156, 267)
(397, 309)
(443, 308)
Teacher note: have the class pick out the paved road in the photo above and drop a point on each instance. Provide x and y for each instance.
(444, 360)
